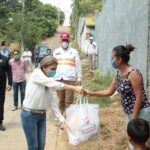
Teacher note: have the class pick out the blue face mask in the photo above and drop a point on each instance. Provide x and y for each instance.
(51, 73)
(17, 57)
(113, 63)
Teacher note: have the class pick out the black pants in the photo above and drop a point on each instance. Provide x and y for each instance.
(2, 100)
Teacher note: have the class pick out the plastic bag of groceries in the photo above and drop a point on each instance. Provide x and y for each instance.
(82, 121)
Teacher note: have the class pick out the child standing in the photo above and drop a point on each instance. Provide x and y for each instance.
(138, 131)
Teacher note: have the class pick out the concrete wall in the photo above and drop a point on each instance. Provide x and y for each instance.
(80, 29)
(120, 22)
(148, 53)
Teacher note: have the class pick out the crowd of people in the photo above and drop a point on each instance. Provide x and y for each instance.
(63, 72)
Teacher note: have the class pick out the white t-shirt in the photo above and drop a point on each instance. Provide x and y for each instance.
(27, 56)
(92, 48)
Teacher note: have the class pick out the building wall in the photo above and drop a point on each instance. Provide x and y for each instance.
(80, 29)
(148, 55)
(120, 22)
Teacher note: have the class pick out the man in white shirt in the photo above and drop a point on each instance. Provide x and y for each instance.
(68, 70)
(92, 52)
(27, 55)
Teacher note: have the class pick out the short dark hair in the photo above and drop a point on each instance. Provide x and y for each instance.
(16, 51)
(123, 52)
(138, 130)
(3, 43)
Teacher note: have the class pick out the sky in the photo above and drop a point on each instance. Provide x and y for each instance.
(64, 5)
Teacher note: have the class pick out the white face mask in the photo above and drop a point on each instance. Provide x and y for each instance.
(65, 45)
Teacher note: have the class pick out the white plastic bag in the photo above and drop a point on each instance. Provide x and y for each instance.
(82, 121)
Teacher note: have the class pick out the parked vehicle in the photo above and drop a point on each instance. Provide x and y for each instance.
(44, 50)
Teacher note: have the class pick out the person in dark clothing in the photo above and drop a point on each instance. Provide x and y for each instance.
(5, 72)
(4, 50)
(36, 56)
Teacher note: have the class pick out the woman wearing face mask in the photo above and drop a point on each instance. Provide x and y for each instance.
(38, 98)
(129, 83)
(18, 66)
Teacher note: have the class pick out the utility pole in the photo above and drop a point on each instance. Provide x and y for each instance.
(77, 18)
(58, 14)
(22, 25)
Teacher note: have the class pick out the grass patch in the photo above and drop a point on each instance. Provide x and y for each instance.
(93, 81)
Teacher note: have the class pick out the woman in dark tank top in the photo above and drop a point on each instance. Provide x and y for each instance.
(129, 83)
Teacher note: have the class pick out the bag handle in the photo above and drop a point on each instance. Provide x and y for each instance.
(85, 100)
(78, 100)
(81, 99)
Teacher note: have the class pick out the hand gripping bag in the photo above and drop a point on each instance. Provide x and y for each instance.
(82, 121)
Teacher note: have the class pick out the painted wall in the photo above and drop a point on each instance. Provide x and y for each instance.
(120, 22)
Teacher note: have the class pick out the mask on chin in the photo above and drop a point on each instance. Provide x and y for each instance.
(65, 44)
(113, 63)
(51, 73)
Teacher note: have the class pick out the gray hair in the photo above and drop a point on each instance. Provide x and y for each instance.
(48, 60)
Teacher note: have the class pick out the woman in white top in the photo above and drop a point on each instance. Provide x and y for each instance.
(38, 98)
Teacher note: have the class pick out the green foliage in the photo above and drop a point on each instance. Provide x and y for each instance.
(32, 35)
(93, 81)
(62, 17)
(39, 21)
(82, 8)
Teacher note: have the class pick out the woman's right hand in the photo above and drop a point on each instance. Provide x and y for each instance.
(79, 89)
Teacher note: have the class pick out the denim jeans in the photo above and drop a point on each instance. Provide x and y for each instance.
(144, 114)
(22, 86)
(36, 61)
(34, 126)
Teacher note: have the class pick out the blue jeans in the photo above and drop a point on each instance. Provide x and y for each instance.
(34, 126)
(22, 86)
